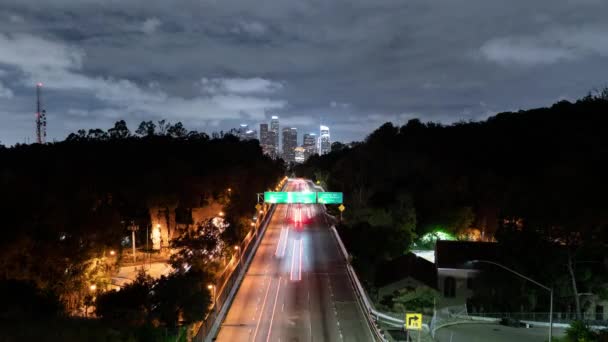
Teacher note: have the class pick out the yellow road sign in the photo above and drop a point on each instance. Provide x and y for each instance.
(413, 321)
(258, 206)
(341, 207)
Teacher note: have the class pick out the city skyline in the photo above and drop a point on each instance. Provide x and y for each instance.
(186, 63)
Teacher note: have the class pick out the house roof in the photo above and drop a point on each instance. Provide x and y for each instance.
(408, 265)
(456, 254)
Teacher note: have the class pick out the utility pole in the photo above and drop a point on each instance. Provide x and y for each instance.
(133, 228)
(40, 116)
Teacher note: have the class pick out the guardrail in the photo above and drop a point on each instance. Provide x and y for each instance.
(362, 299)
(560, 319)
(229, 283)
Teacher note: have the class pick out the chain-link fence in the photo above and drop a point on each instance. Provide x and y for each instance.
(447, 315)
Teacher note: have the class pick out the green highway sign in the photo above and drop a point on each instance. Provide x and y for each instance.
(302, 197)
(329, 197)
(290, 197)
(275, 197)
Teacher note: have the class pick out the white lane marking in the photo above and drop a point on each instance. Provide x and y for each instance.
(285, 242)
(257, 327)
(300, 263)
(276, 299)
(277, 253)
(293, 260)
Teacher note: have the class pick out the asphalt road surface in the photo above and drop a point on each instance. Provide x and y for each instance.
(493, 332)
(296, 288)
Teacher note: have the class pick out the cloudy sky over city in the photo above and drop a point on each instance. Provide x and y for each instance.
(353, 65)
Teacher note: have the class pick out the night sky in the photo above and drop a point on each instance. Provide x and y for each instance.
(353, 65)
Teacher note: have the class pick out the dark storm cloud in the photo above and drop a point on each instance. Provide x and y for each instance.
(351, 64)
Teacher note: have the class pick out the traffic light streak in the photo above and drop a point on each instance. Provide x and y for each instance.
(296, 261)
(282, 245)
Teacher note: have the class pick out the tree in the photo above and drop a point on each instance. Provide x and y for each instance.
(177, 130)
(97, 134)
(182, 296)
(24, 300)
(200, 247)
(132, 304)
(338, 146)
(163, 126)
(146, 129)
(119, 131)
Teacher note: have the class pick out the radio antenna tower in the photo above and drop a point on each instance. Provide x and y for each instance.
(40, 116)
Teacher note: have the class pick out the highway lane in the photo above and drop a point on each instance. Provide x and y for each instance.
(296, 288)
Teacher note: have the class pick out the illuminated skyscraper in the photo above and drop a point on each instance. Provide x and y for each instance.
(290, 142)
(274, 137)
(309, 144)
(324, 141)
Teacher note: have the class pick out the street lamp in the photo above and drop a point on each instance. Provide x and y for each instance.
(532, 281)
(212, 288)
(93, 287)
(237, 249)
(221, 213)
(112, 253)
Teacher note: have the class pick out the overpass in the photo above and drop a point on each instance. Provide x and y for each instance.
(297, 287)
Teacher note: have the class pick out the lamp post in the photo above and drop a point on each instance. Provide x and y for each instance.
(237, 249)
(532, 281)
(212, 288)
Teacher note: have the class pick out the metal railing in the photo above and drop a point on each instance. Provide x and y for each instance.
(558, 317)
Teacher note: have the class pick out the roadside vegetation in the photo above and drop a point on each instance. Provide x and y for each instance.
(534, 180)
(67, 206)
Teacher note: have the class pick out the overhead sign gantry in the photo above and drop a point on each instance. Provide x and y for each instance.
(284, 197)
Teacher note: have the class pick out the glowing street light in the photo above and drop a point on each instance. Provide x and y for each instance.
(112, 252)
(93, 287)
(221, 213)
(212, 288)
(237, 249)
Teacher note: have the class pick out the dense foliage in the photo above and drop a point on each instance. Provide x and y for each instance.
(64, 205)
(534, 180)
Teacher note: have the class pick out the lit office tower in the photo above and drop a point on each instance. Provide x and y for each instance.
(299, 154)
(309, 144)
(266, 141)
(243, 128)
(263, 135)
(324, 141)
(251, 135)
(274, 137)
(290, 142)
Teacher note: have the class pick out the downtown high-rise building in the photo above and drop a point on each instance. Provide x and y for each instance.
(290, 142)
(242, 131)
(274, 136)
(299, 154)
(309, 144)
(324, 141)
(267, 141)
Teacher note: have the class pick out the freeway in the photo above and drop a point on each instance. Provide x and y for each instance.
(296, 288)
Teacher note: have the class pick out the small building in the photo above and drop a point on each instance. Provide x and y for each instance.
(406, 271)
(455, 270)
